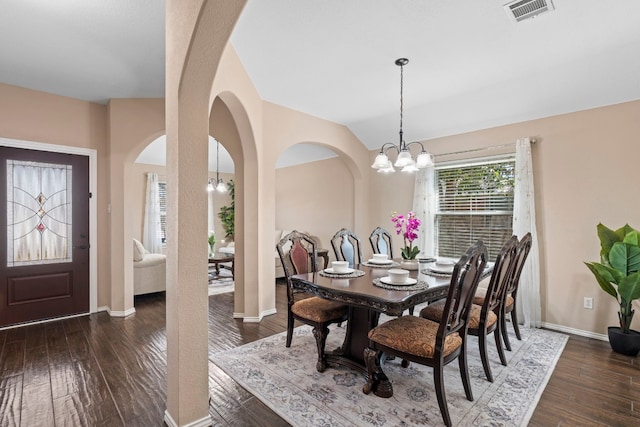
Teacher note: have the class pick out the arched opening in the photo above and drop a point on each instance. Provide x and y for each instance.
(147, 212)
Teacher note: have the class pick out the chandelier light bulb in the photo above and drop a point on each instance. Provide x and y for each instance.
(423, 160)
(381, 161)
(221, 186)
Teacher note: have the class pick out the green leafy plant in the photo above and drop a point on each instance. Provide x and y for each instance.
(618, 272)
(227, 213)
(212, 241)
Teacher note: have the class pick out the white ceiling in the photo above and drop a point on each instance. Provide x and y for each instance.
(471, 66)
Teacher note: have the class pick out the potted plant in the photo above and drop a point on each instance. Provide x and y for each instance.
(227, 213)
(408, 226)
(618, 274)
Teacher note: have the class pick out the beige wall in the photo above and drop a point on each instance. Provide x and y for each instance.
(34, 116)
(317, 198)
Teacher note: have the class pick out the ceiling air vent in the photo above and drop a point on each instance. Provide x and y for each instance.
(520, 10)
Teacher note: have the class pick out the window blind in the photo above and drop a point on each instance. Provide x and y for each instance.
(162, 193)
(475, 201)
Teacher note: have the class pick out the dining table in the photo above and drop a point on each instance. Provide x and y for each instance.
(367, 296)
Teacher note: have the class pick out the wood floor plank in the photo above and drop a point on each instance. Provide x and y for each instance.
(11, 401)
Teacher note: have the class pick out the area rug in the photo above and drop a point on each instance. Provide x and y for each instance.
(222, 283)
(285, 379)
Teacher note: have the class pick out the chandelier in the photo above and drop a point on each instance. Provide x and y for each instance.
(404, 159)
(219, 183)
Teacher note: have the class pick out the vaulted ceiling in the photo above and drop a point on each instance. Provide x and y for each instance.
(471, 65)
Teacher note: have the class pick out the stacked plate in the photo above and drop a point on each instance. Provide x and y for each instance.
(380, 261)
(332, 271)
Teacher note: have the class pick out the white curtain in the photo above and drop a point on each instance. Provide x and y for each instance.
(424, 204)
(152, 228)
(524, 221)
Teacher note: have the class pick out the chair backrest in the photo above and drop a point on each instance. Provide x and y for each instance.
(346, 247)
(298, 255)
(501, 275)
(381, 242)
(522, 252)
(464, 281)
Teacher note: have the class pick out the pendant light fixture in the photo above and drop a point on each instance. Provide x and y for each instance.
(404, 159)
(219, 184)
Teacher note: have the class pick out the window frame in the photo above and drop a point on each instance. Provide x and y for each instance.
(482, 214)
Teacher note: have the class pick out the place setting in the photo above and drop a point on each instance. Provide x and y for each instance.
(380, 261)
(439, 268)
(341, 269)
(398, 279)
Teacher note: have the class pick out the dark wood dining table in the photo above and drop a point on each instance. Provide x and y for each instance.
(367, 301)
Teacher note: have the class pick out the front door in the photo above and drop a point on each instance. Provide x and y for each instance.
(44, 235)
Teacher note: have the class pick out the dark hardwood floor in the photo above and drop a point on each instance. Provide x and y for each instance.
(102, 371)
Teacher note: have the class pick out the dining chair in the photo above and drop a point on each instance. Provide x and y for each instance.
(297, 253)
(423, 341)
(511, 293)
(381, 242)
(484, 319)
(346, 247)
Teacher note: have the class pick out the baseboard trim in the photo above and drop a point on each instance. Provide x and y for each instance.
(37, 322)
(202, 422)
(238, 315)
(125, 313)
(259, 318)
(103, 308)
(573, 331)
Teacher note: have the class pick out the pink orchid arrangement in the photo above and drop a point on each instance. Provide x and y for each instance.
(407, 226)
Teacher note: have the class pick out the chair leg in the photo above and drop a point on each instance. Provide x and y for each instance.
(320, 333)
(505, 334)
(496, 334)
(289, 329)
(464, 371)
(438, 382)
(411, 311)
(514, 321)
(484, 356)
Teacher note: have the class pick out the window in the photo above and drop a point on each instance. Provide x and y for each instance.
(474, 201)
(162, 195)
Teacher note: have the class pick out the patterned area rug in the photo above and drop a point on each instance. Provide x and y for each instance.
(220, 284)
(285, 379)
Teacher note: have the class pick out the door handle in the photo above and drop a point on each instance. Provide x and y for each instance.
(81, 247)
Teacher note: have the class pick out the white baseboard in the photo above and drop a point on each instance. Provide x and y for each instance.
(573, 331)
(125, 313)
(259, 318)
(103, 308)
(238, 315)
(202, 422)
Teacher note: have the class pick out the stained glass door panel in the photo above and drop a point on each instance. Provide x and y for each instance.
(44, 265)
(39, 213)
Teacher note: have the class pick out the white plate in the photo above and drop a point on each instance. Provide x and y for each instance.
(385, 262)
(386, 280)
(443, 270)
(330, 271)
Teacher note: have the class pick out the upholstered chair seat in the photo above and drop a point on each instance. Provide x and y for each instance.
(434, 312)
(318, 309)
(413, 335)
(482, 293)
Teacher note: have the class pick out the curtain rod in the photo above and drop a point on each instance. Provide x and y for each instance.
(492, 147)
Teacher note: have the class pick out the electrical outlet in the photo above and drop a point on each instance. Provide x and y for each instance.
(588, 303)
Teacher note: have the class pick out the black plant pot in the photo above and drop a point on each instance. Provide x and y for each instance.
(627, 344)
